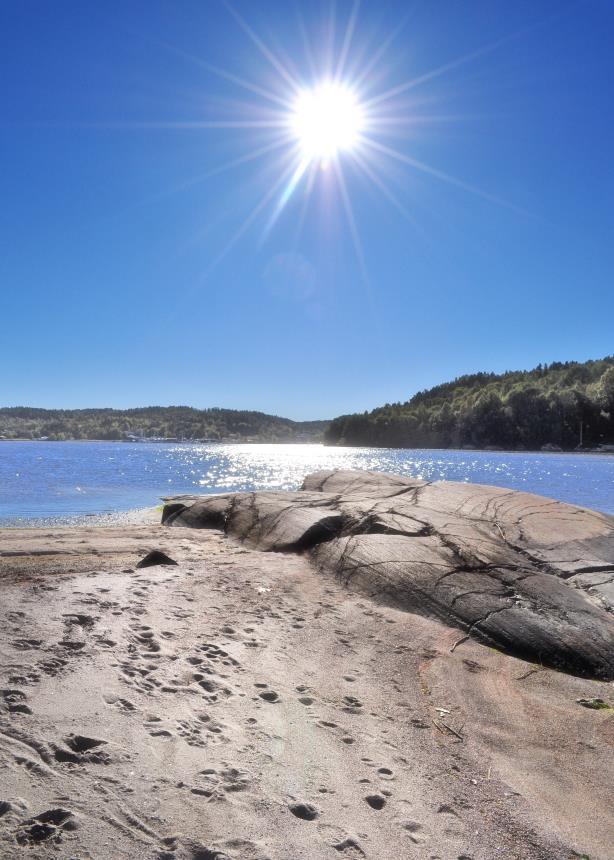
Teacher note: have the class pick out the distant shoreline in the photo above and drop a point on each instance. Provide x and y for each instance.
(169, 441)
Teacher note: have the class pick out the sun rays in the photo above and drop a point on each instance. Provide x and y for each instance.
(324, 113)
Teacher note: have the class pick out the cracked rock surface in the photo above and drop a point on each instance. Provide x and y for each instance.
(529, 575)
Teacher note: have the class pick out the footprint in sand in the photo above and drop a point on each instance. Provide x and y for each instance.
(122, 704)
(201, 731)
(216, 654)
(269, 696)
(47, 827)
(12, 810)
(27, 644)
(53, 666)
(346, 844)
(241, 849)
(79, 619)
(213, 689)
(385, 773)
(80, 749)
(216, 784)
(349, 848)
(413, 829)
(144, 636)
(71, 644)
(105, 641)
(191, 732)
(139, 676)
(351, 705)
(376, 801)
(304, 811)
(446, 809)
(15, 701)
(26, 676)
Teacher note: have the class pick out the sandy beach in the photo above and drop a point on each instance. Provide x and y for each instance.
(243, 705)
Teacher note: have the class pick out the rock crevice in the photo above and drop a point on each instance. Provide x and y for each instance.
(509, 568)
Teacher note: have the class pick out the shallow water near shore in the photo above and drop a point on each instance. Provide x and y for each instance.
(70, 482)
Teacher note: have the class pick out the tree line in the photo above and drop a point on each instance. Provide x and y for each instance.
(159, 422)
(565, 404)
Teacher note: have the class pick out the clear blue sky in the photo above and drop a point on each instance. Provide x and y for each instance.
(115, 288)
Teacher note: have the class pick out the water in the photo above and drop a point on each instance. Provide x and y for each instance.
(54, 482)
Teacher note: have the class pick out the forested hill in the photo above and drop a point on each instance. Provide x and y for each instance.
(155, 422)
(562, 404)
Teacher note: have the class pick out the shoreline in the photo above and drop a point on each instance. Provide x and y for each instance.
(41, 493)
(115, 519)
(223, 700)
(151, 515)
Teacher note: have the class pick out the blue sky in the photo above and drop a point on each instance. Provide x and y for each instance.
(118, 285)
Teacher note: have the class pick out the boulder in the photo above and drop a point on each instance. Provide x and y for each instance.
(529, 575)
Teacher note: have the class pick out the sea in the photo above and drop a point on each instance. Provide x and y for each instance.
(63, 483)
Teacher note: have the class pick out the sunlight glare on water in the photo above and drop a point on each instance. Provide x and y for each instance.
(57, 481)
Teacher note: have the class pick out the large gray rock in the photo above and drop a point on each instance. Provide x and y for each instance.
(529, 575)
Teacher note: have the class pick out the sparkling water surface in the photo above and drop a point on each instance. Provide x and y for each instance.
(56, 482)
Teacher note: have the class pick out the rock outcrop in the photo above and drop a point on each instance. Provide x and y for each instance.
(531, 576)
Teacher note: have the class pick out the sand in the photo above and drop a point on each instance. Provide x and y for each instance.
(240, 704)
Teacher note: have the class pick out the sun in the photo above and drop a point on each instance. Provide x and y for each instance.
(329, 109)
(326, 120)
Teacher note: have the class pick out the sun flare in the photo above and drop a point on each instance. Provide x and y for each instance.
(327, 120)
(330, 109)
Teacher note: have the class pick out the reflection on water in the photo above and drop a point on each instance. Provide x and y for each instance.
(56, 480)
